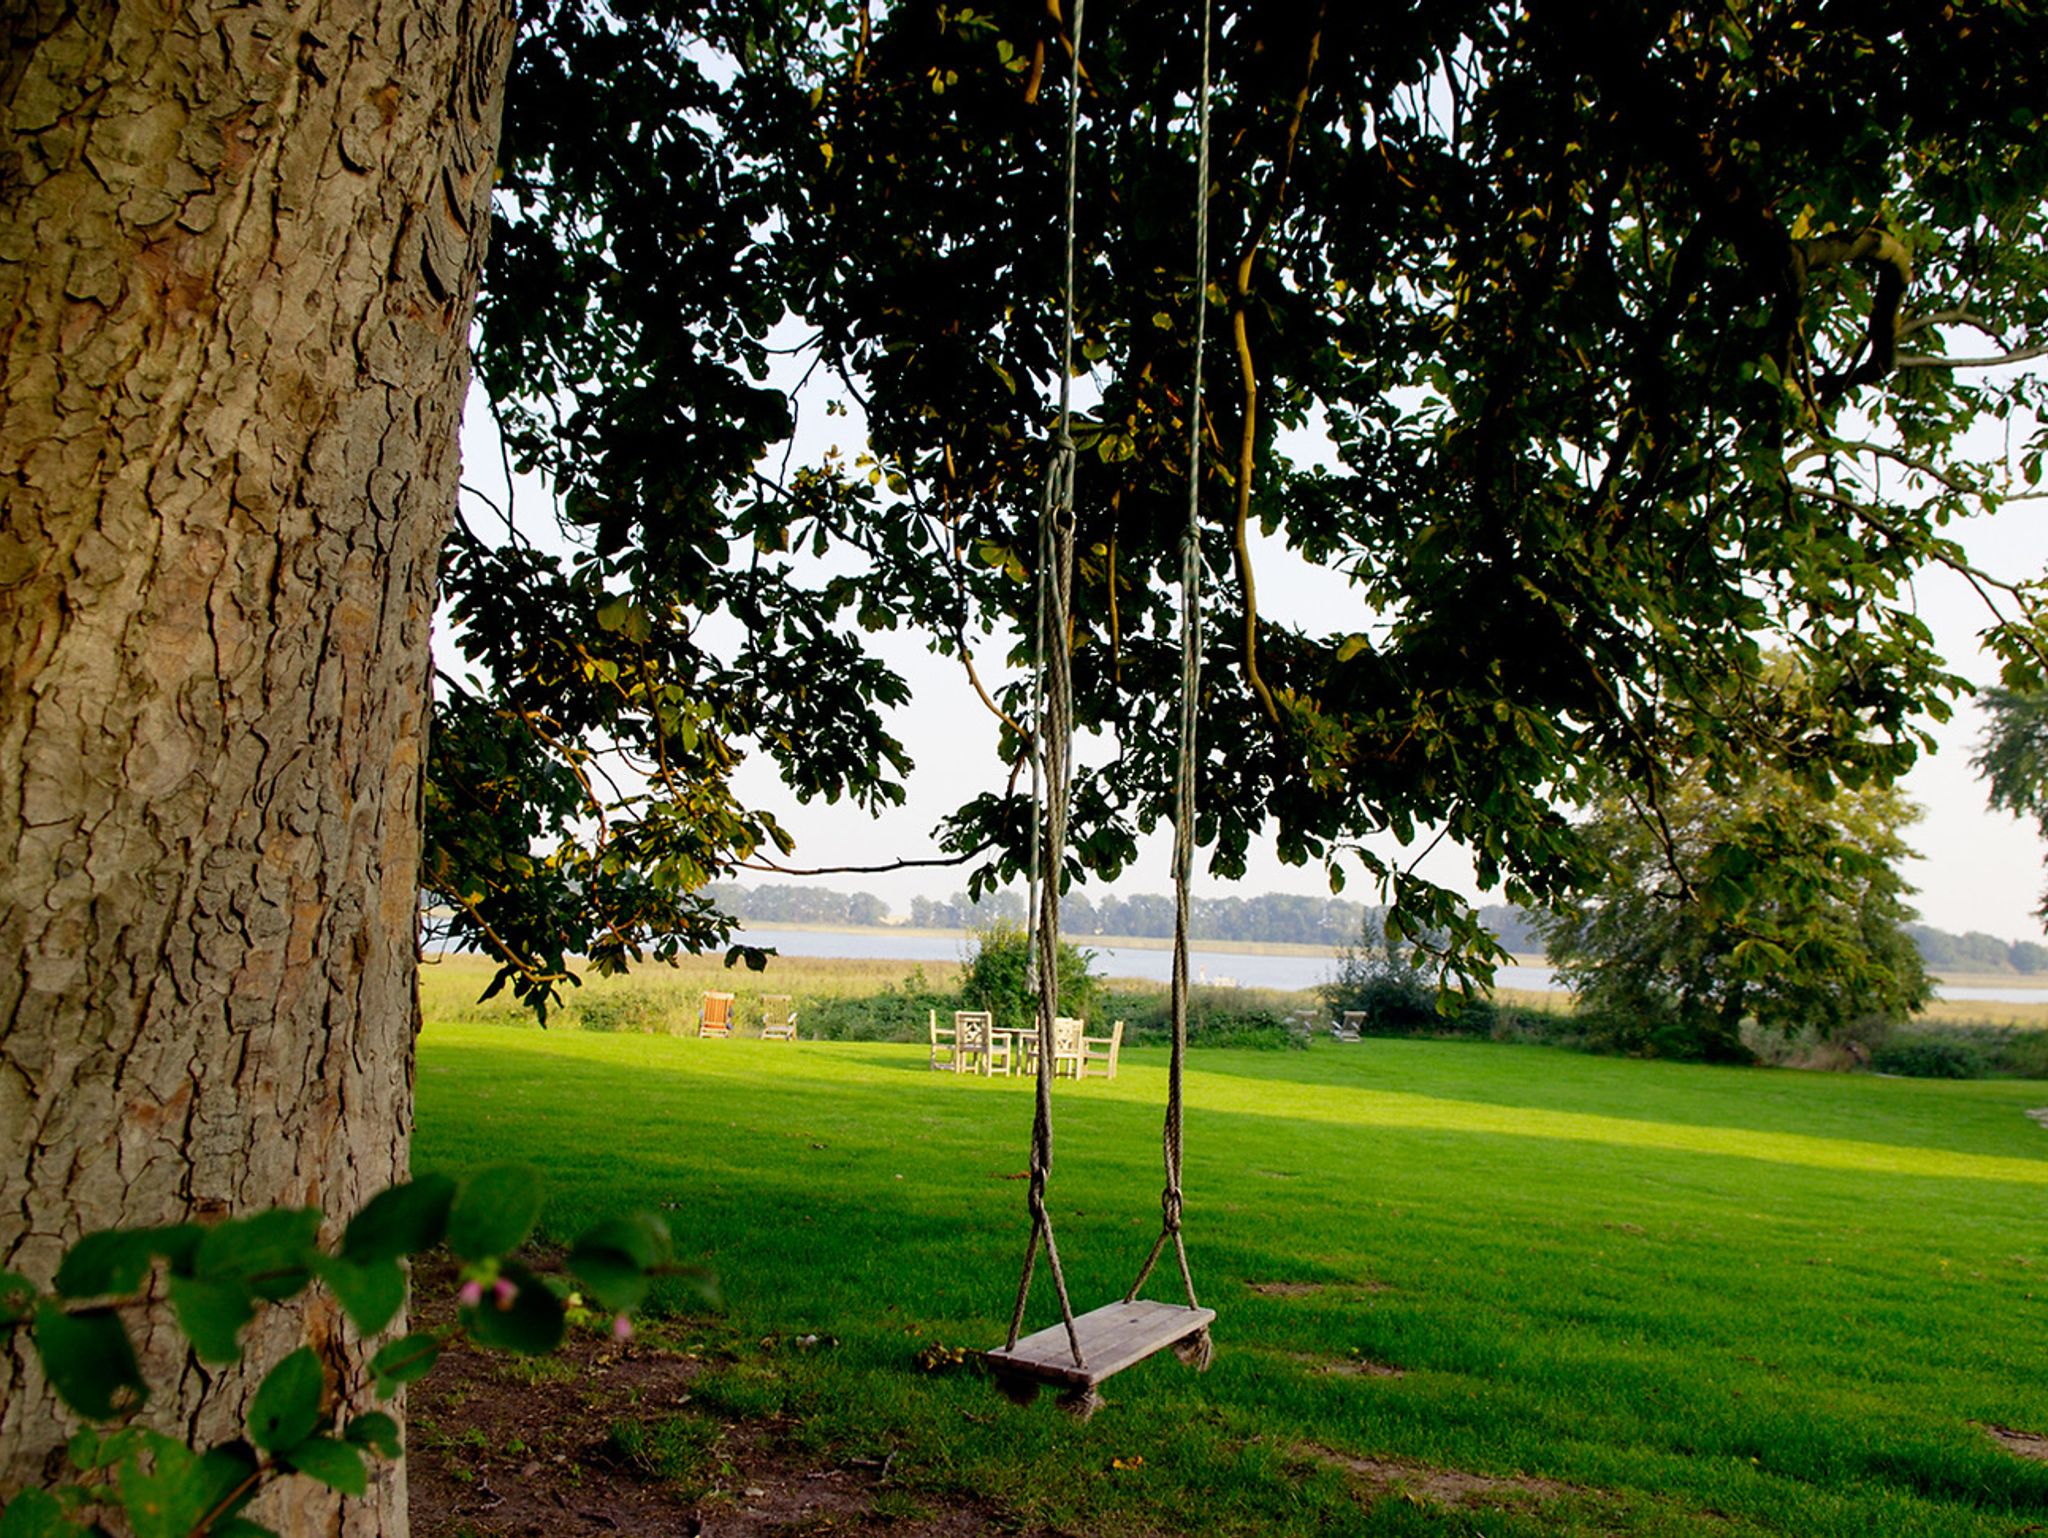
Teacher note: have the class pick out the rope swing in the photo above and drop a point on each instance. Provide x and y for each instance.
(1079, 1353)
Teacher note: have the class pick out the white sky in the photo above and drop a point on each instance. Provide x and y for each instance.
(1978, 869)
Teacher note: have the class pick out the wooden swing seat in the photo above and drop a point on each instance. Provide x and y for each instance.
(1113, 1337)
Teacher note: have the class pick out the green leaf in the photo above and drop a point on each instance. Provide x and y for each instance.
(271, 1253)
(212, 1315)
(336, 1465)
(496, 1211)
(17, 1297)
(229, 1473)
(401, 1221)
(112, 1260)
(613, 1259)
(374, 1429)
(407, 1358)
(178, 1488)
(37, 1514)
(89, 1361)
(286, 1409)
(117, 1260)
(532, 1323)
(87, 1450)
(372, 1294)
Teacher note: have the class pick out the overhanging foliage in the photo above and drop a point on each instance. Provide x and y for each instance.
(1644, 338)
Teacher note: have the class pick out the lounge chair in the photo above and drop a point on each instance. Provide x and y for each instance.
(714, 1014)
(778, 1017)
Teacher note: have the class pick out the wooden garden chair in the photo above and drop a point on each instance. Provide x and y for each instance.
(1067, 1036)
(778, 1017)
(714, 1014)
(977, 1041)
(1101, 1051)
(1066, 1047)
(1350, 1027)
(946, 1039)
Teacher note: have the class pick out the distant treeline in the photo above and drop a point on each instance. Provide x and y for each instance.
(1976, 952)
(1274, 918)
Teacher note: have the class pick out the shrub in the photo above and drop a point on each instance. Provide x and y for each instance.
(1262, 1018)
(899, 1012)
(993, 977)
(618, 1007)
(1929, 1057)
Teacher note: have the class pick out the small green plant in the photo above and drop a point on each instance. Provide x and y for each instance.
(215, 1279)
(678, 1448)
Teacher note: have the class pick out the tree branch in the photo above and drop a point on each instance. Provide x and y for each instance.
(1936, 360)
(1247, 445)
(867, 870)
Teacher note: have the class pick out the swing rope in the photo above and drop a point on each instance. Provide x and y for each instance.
(1051, 763)
(1190, 689)
(1051, 766)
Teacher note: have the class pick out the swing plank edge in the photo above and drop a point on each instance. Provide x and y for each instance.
(1113, 1337)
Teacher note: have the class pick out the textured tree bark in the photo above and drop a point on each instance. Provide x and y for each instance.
(238, 249)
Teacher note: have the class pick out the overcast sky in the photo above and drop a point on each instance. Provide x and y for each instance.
(1978, 869)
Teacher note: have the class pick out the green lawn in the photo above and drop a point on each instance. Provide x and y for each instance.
(1692, 1300)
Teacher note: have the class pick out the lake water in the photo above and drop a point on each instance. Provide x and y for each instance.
(1210, 963)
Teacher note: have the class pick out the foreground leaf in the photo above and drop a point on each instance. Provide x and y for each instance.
(614, 1258)
(212, 1313)
(375, 1430)
(495, 1212)
(286, 1409)
(335, 1464)
(403, 1360)
(372, 1293)
(271, 1253)
(89, 1361)
(531, 1323)
(37, 1514)
(179, 1488)
(401, 1221)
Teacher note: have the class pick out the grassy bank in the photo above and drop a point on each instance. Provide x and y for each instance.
(1592, 1295)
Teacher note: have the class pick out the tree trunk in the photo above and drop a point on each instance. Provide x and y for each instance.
(238, 249)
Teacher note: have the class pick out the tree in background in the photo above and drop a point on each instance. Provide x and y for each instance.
(1766, 899)
(2012, 756)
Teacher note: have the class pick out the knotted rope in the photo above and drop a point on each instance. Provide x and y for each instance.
(1051, 761)
(1170, 1197)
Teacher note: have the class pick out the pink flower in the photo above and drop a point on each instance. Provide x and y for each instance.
(471, 1293)
(504, 1291)
(622, 1328)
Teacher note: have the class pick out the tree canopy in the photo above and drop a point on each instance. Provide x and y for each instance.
(2012, 756)
(1636, 340)
(1757, 901)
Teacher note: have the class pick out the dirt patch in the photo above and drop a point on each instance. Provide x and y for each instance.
(1310, 1289)
(603, 1438)
(1347, 1366)
(2021, 1444)
(1378, 1477)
